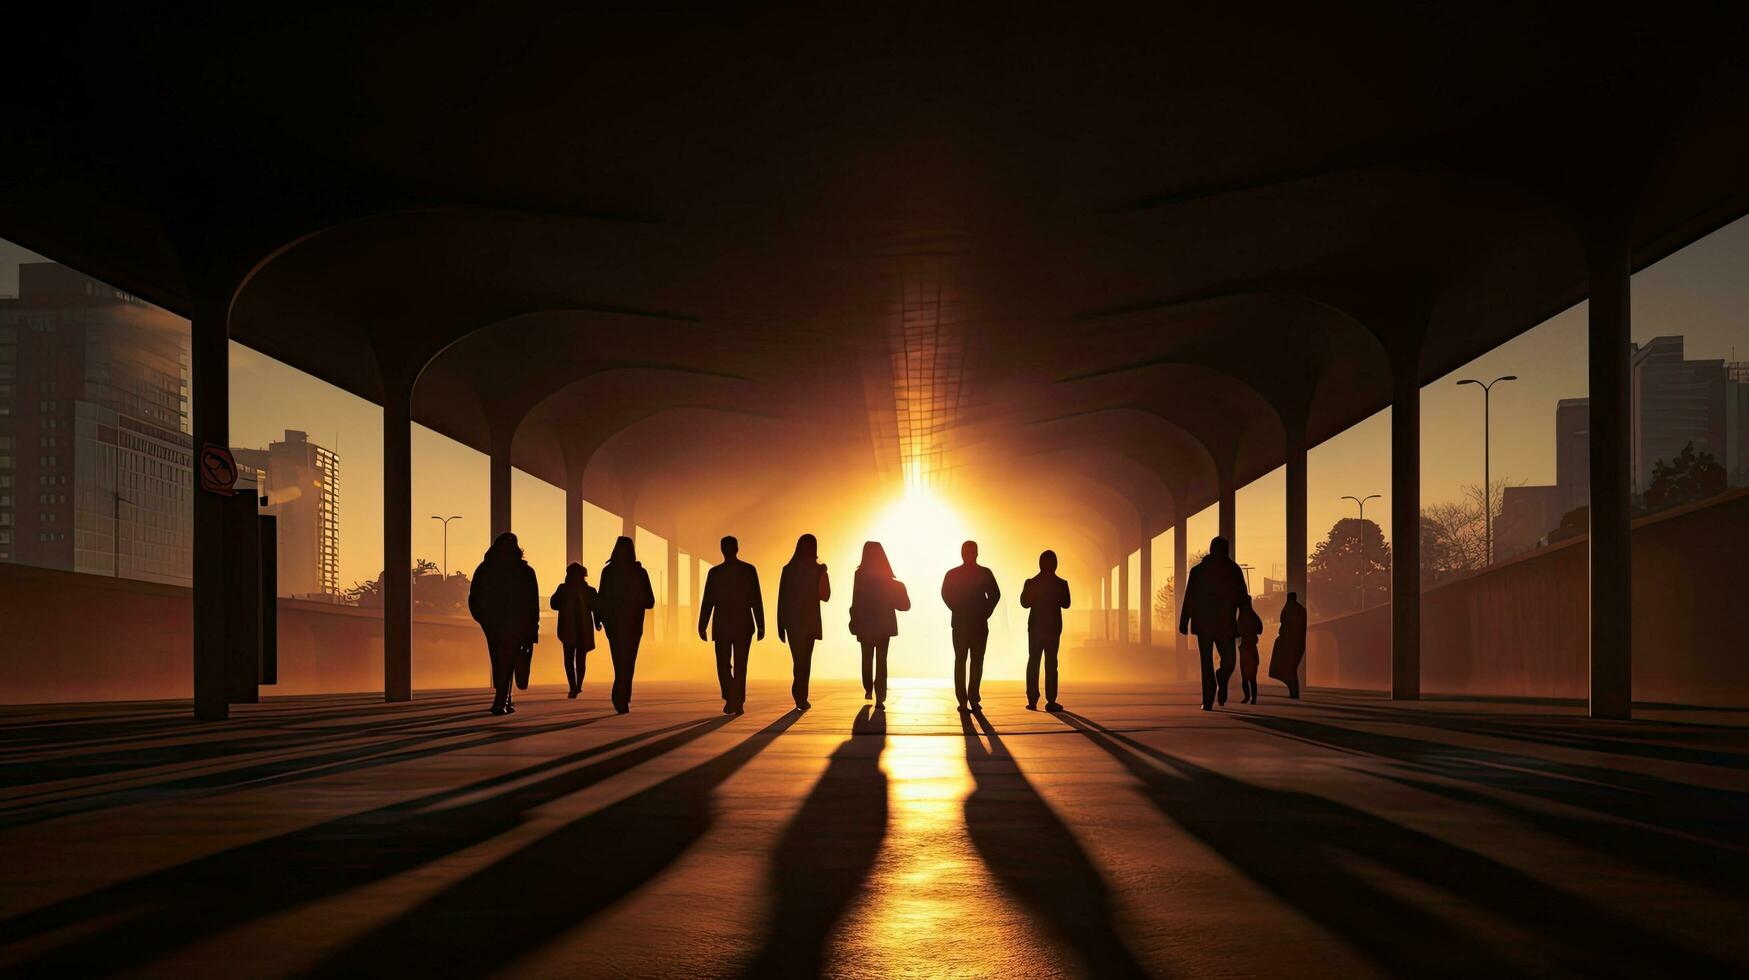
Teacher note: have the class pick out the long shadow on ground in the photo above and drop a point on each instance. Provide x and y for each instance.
(1315, 853)
(1036, 857)
(510, 909)
(1692, 832)
(129, 924)
(827, 852)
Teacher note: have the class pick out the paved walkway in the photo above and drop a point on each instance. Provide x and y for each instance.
(1339, 836)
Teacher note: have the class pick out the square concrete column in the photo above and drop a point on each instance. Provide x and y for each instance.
(1229, 516)
(1105, 605)
(210, 379)
(500, 483)
(1612, 620)
(692, 564)
(1295, 508)
(574, 519)
(1406, 529)
(397, 544)
(1145, 613)
(1180, 571)
(672, 615)
(1123, 600)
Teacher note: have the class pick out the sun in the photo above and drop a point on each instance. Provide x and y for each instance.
(922, 534)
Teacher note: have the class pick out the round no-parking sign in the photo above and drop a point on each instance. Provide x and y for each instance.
(218, 470)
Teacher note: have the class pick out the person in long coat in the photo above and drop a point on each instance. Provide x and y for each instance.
(624, 597)
(575, 599)
(876, 599)
(504, 599)
(1290, 646)
(801, 589)
(1250, 629)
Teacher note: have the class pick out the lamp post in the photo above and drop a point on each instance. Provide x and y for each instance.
(1487, 477)
(1362, 532)
(445, 522)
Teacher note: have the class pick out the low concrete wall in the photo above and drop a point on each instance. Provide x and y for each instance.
(1521, 628)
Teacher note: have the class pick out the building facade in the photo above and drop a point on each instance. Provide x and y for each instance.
(1573, 452)
(96, 461)
(1676, 402)
(301, 484)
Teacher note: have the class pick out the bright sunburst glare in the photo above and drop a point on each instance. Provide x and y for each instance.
(922, 534)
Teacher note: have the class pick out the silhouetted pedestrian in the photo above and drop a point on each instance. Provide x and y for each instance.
(1211, 611)
(800, 590)
(731, 593)
(575, 600)
(969, 589)
(505, 600)
(1045, 596)
(625, 595)
(1250, 628)
(876, 599)
(1290, 646)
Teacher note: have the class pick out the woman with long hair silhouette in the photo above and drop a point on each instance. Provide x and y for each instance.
(800, 591)
(875, 602)
(624, 596)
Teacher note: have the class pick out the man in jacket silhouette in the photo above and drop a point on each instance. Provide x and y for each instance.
(731, 596)
(1212, 599)
(1044, 596)
(969, 589)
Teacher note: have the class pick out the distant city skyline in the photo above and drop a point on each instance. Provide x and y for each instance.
(1699, 293)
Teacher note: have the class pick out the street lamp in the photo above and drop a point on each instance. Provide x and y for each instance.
(1487, 477)
(445, 522)
(1362, 532)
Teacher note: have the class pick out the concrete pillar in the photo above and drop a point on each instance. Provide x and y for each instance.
(397, 544)
(500, 464)
(1123, 600)
(672, 616)
(1180, 574)
(210, 378)
(1406, 528)
(1229, 515)
(574, 518)
(1295, 508)
(1145, 612)
(1612, 618)
(1105, 605)
(692, 564)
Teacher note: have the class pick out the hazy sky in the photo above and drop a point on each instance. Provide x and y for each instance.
(1700, 292)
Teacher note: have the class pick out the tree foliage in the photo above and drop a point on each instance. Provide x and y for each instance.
(1353, 561)
(1689, 477)
(432, 592)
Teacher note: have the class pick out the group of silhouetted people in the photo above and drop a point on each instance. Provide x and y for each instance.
(505, 601)
(1217, 609)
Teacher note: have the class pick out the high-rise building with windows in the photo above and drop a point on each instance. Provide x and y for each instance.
(95, 454)
(301, 482)
(1573, 453)
(1676, 402)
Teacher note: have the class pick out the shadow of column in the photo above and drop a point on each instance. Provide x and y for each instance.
(1313, 853)
(503, 912)
(827, 852)
(138, 920)
(1037, 858)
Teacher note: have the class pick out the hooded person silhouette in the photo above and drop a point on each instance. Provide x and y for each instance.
(505, 600)
(625, 595)
(575, 599)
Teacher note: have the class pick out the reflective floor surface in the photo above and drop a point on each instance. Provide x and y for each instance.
(1131, 835)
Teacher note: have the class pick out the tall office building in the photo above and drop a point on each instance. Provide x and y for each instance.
(1573, 453)
(1676, 402)
(96, 461)
(301, 482)
(1736, 456)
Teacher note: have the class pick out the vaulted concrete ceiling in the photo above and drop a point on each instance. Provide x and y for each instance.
(1137, 246)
